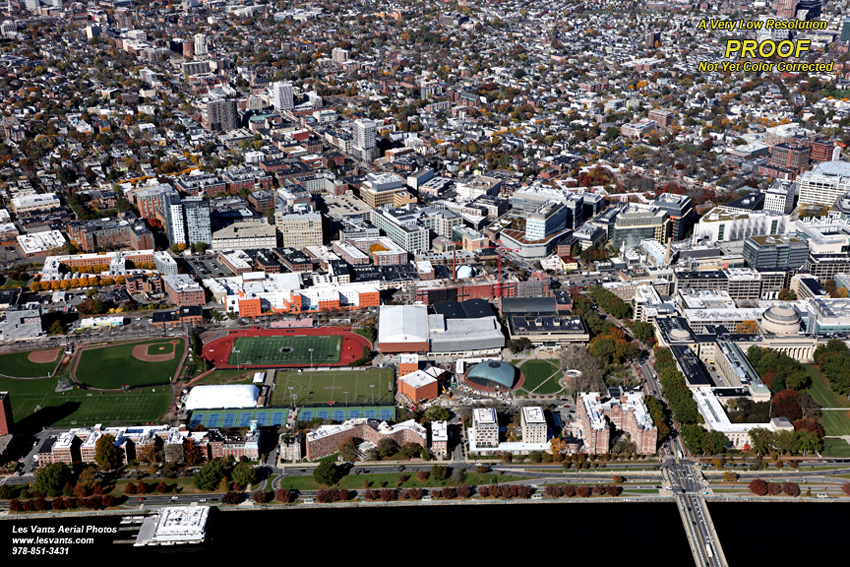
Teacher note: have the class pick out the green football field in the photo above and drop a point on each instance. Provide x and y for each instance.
(284, 350)
(112, 367)
(36, 404)
(373, 386)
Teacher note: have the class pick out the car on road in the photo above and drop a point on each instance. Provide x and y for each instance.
(175, 497)
(141, 499)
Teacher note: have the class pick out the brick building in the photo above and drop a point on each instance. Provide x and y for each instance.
(183, 290)
(627, 413)
(326, 439)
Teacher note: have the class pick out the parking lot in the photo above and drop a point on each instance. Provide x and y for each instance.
(205, 267)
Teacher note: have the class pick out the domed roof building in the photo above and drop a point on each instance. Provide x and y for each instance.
(780, 320)
(493, 375)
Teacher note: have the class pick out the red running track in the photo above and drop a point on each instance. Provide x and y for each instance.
(218, 350)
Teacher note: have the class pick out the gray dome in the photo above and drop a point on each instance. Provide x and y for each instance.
(782, 313)
(493, 374)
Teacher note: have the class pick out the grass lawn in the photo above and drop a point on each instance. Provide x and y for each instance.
(10, 283)
(363, 333)
(836, 422)
(390, 480)
(641, 490)
(112, 367)
(373, 386)
(161, 348)
(36, 404)
(228, 377)
(541, 376)
(275, 351)
(821, 391)
(18, 365)
(833, 447)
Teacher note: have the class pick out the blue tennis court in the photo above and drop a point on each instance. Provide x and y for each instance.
(238, 418)
(340, 414)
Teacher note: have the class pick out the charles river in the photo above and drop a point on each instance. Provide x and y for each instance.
(751, 533)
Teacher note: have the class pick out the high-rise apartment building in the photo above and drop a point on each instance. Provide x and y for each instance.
(221, 115)
(201, 46)
(339, 55)
(282, 96)
(187, 219)
(364, 134)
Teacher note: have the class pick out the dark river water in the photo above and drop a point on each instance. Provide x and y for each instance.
(603, 534)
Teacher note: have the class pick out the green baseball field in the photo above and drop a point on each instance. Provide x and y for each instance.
(33, 364)
(146, 363)
(285, 350)
(373, 386)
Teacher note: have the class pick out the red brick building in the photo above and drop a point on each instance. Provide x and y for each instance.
(326, 439)
(183, 290)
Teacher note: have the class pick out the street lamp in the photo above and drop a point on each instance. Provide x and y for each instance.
(236, 352)
(311, 358)
(372, 387)
(290, 396)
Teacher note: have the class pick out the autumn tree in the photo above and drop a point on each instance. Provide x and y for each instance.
(758, 486)
(193, 455)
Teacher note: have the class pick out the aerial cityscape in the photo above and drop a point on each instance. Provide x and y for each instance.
(305, 256)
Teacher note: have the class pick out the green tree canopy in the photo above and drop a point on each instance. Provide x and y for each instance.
(326, 473)
(210, 475)
(107, 455)
(436, 413)
(50, 480)
(244, 474)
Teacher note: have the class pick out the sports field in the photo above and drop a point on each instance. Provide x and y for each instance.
(36, 404)
(373, 386)
(29, 364)
(134, 364)
(539, 377)
(285, 350)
